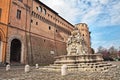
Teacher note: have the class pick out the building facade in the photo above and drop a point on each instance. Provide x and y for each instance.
(49, 32)
(31, 32)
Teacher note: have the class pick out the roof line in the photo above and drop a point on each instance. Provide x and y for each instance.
(53, 12)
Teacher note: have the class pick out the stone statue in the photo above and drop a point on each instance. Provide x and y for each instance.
(76, 44)
(78, 56)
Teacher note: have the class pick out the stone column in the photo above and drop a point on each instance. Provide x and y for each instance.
(64, 70)
(27, 68)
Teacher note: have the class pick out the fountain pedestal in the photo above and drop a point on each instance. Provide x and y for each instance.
(78, 58)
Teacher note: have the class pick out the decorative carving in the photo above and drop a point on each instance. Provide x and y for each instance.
(78, 56)
(76, 44)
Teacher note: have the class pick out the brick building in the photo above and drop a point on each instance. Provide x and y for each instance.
(31, 32)
(4, 10)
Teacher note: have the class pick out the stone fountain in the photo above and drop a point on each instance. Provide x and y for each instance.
(78, 58)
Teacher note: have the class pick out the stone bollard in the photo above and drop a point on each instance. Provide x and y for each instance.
(8, 67)
(64, 70)
(36, 65)
(27, 68)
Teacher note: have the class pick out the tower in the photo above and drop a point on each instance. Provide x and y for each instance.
(84, 30)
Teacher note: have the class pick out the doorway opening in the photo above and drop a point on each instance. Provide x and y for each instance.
(15, 51)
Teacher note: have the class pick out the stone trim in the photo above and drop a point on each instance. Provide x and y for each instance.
(2, 41)
(9, 45)
(1, 50)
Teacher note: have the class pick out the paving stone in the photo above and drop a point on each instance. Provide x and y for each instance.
(17, 73)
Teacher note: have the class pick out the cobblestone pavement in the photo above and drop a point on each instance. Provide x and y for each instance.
(17, 73)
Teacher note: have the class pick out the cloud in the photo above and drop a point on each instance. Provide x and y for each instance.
(90, 11)
(91, 15)
(96, 13)
(103, 2)
(69, 12)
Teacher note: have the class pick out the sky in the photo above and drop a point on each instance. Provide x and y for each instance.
(101, 16)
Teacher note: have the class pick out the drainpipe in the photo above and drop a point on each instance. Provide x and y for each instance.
(27, 58)
(30, 37)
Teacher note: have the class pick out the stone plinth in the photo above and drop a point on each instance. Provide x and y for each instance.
(90, 62)
(76, 59)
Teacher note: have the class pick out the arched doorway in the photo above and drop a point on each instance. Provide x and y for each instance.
(0, 49)
(15, 51)
(2, 45)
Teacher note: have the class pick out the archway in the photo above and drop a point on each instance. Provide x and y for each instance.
(0, 49)
(15, 51)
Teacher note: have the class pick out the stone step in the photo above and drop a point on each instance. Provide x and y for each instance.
(83, 66)
(79, 68)
(59, 67)
(62, 64)
(65, 61)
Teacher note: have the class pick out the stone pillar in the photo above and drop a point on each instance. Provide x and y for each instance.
(36, 66)
(64, 70)
(27, 68)
(8, 67)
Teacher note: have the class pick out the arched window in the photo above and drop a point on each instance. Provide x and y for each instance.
(37, 8)
(44, 11)
(40, 9)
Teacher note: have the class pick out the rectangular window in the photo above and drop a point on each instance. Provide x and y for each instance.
(18, 14)
(36, 23)
(0, 13)
(49, 28)
(31, 21)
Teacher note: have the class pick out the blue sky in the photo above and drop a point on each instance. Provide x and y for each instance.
(102, 17)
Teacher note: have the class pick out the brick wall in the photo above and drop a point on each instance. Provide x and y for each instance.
(44, 50)
(41, 48)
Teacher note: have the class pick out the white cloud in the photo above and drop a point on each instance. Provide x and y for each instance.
(91, 15)
(96, 13)
(103, 1)
(76, 11)
(66, 9)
